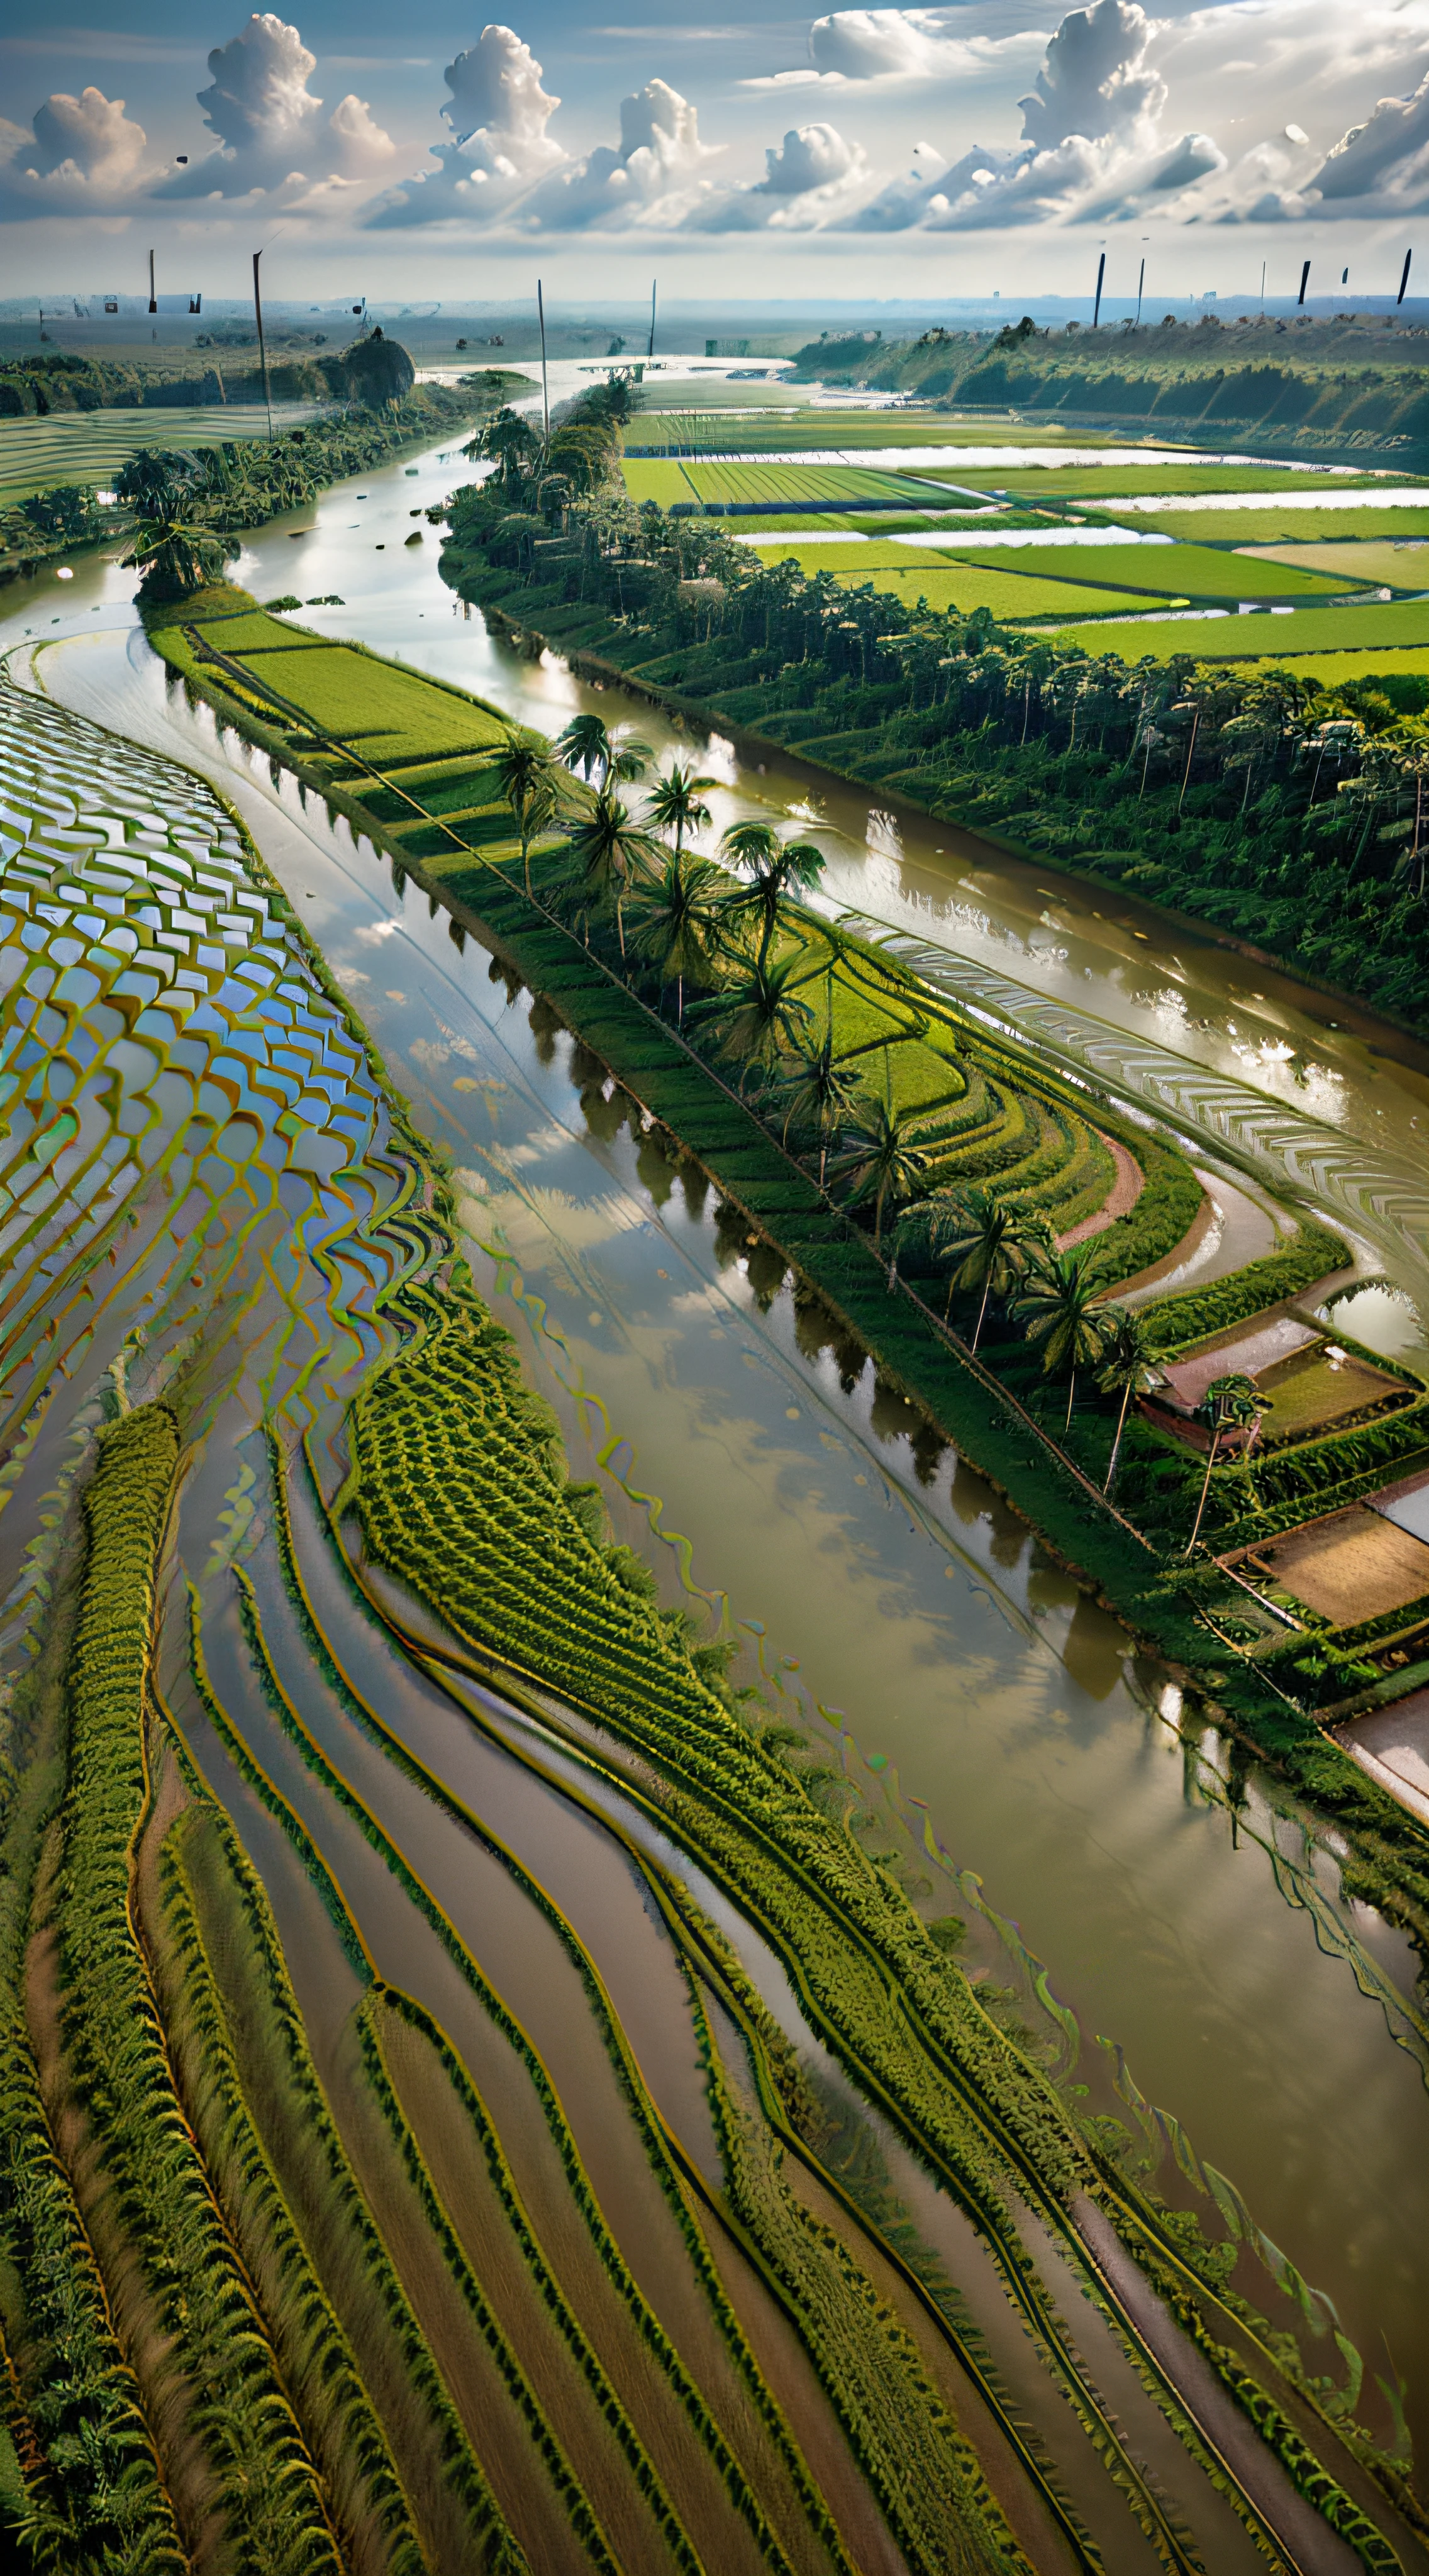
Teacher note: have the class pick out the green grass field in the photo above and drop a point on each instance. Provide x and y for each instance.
(1182, 572)
(91, 446)
(1332, 632)
(1010, 597)
(1283, 525)
(391, 716)
(654, 478)
(1091, 482)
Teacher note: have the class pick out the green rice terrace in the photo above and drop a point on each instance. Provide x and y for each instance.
(493, 2078)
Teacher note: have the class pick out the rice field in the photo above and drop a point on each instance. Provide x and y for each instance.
(1331, 633)
(1091, 482)
(923, 573)
(1403, 563)
(389, 715)
(1190, 572)
(91, 446)
(1286, 524)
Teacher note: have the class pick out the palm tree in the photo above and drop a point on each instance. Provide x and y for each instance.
(775, 867)
(984, 1250)
(1060, 1312)
(759, 1018)
(677, 803)
(1126, 1370)
(881, 1160)
(819, 1092)
(531, 782)
(676, 920)
(587, 744)
(584, 745)
(1229, 1403)
(610, 848)
(175, 551)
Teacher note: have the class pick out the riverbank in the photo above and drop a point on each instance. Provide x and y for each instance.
(914, 1356)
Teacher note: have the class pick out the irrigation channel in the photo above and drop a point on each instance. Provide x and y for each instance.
(1049, 1783)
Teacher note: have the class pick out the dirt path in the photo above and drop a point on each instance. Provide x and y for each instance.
(1126, 1190)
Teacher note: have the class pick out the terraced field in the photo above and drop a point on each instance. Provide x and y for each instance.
(90, 447)
(442, 2142)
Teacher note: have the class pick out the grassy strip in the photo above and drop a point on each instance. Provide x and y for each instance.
(316, 2357)
(271, 2496)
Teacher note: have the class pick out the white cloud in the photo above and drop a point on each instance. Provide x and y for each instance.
(655, 178)
(903, 201)
(1385, 161)
(83, 153)
(1096, 80)
(896, 46)
(272, 131)
(813, 181)
(499, 114)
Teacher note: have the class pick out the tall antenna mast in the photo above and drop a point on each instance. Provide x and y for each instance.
(545, 392)
(262, 344)
(153, 299)
(654, 282)
(1404, 280)
(1097, 307)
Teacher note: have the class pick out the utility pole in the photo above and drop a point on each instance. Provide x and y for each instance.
(1262, 290)
(1404, 279)
(1097, 307)
(1141, 281)
(262, 344)
(153, 299)
(650, 352)
(545, 393)
(1304, 282)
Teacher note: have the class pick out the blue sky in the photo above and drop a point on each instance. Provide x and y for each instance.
(858, 151)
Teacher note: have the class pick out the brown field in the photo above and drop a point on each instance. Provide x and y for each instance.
(1351, 1566)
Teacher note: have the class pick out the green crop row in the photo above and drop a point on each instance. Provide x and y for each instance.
(270, 2496)
(899, 2427)
(313, 2350)
(657, 2343)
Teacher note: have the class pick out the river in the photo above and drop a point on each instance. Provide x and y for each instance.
(882, 1592)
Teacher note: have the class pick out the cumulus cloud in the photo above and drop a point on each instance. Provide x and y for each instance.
(903, 201)
(812, 180)
(1096, 80)
(82, 154)
(894, 46)
(499, 114)
(654, 178)
(1383, 163)
(272, 131)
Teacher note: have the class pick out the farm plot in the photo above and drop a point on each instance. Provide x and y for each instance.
(1402, 562)
(1285, 522)
(1114, 475)
(807, 484)
(91, 446)
(656, 478)
(920, 574)
(394, 715)
(1338, 632)
(1191, 572)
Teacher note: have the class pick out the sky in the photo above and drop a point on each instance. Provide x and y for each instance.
(996, 145)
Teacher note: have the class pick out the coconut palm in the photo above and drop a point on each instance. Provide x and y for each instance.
(759, 1018)
(176, 552)
(1229, 1403)
(677, 803)
(676, 920)
(818, 1092)
(775, 869)
(1059, 1309)
(588, 745)
(983, 1247)
(531, 782)
(611, 850)
(881, 1159)
(1126, 1370)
